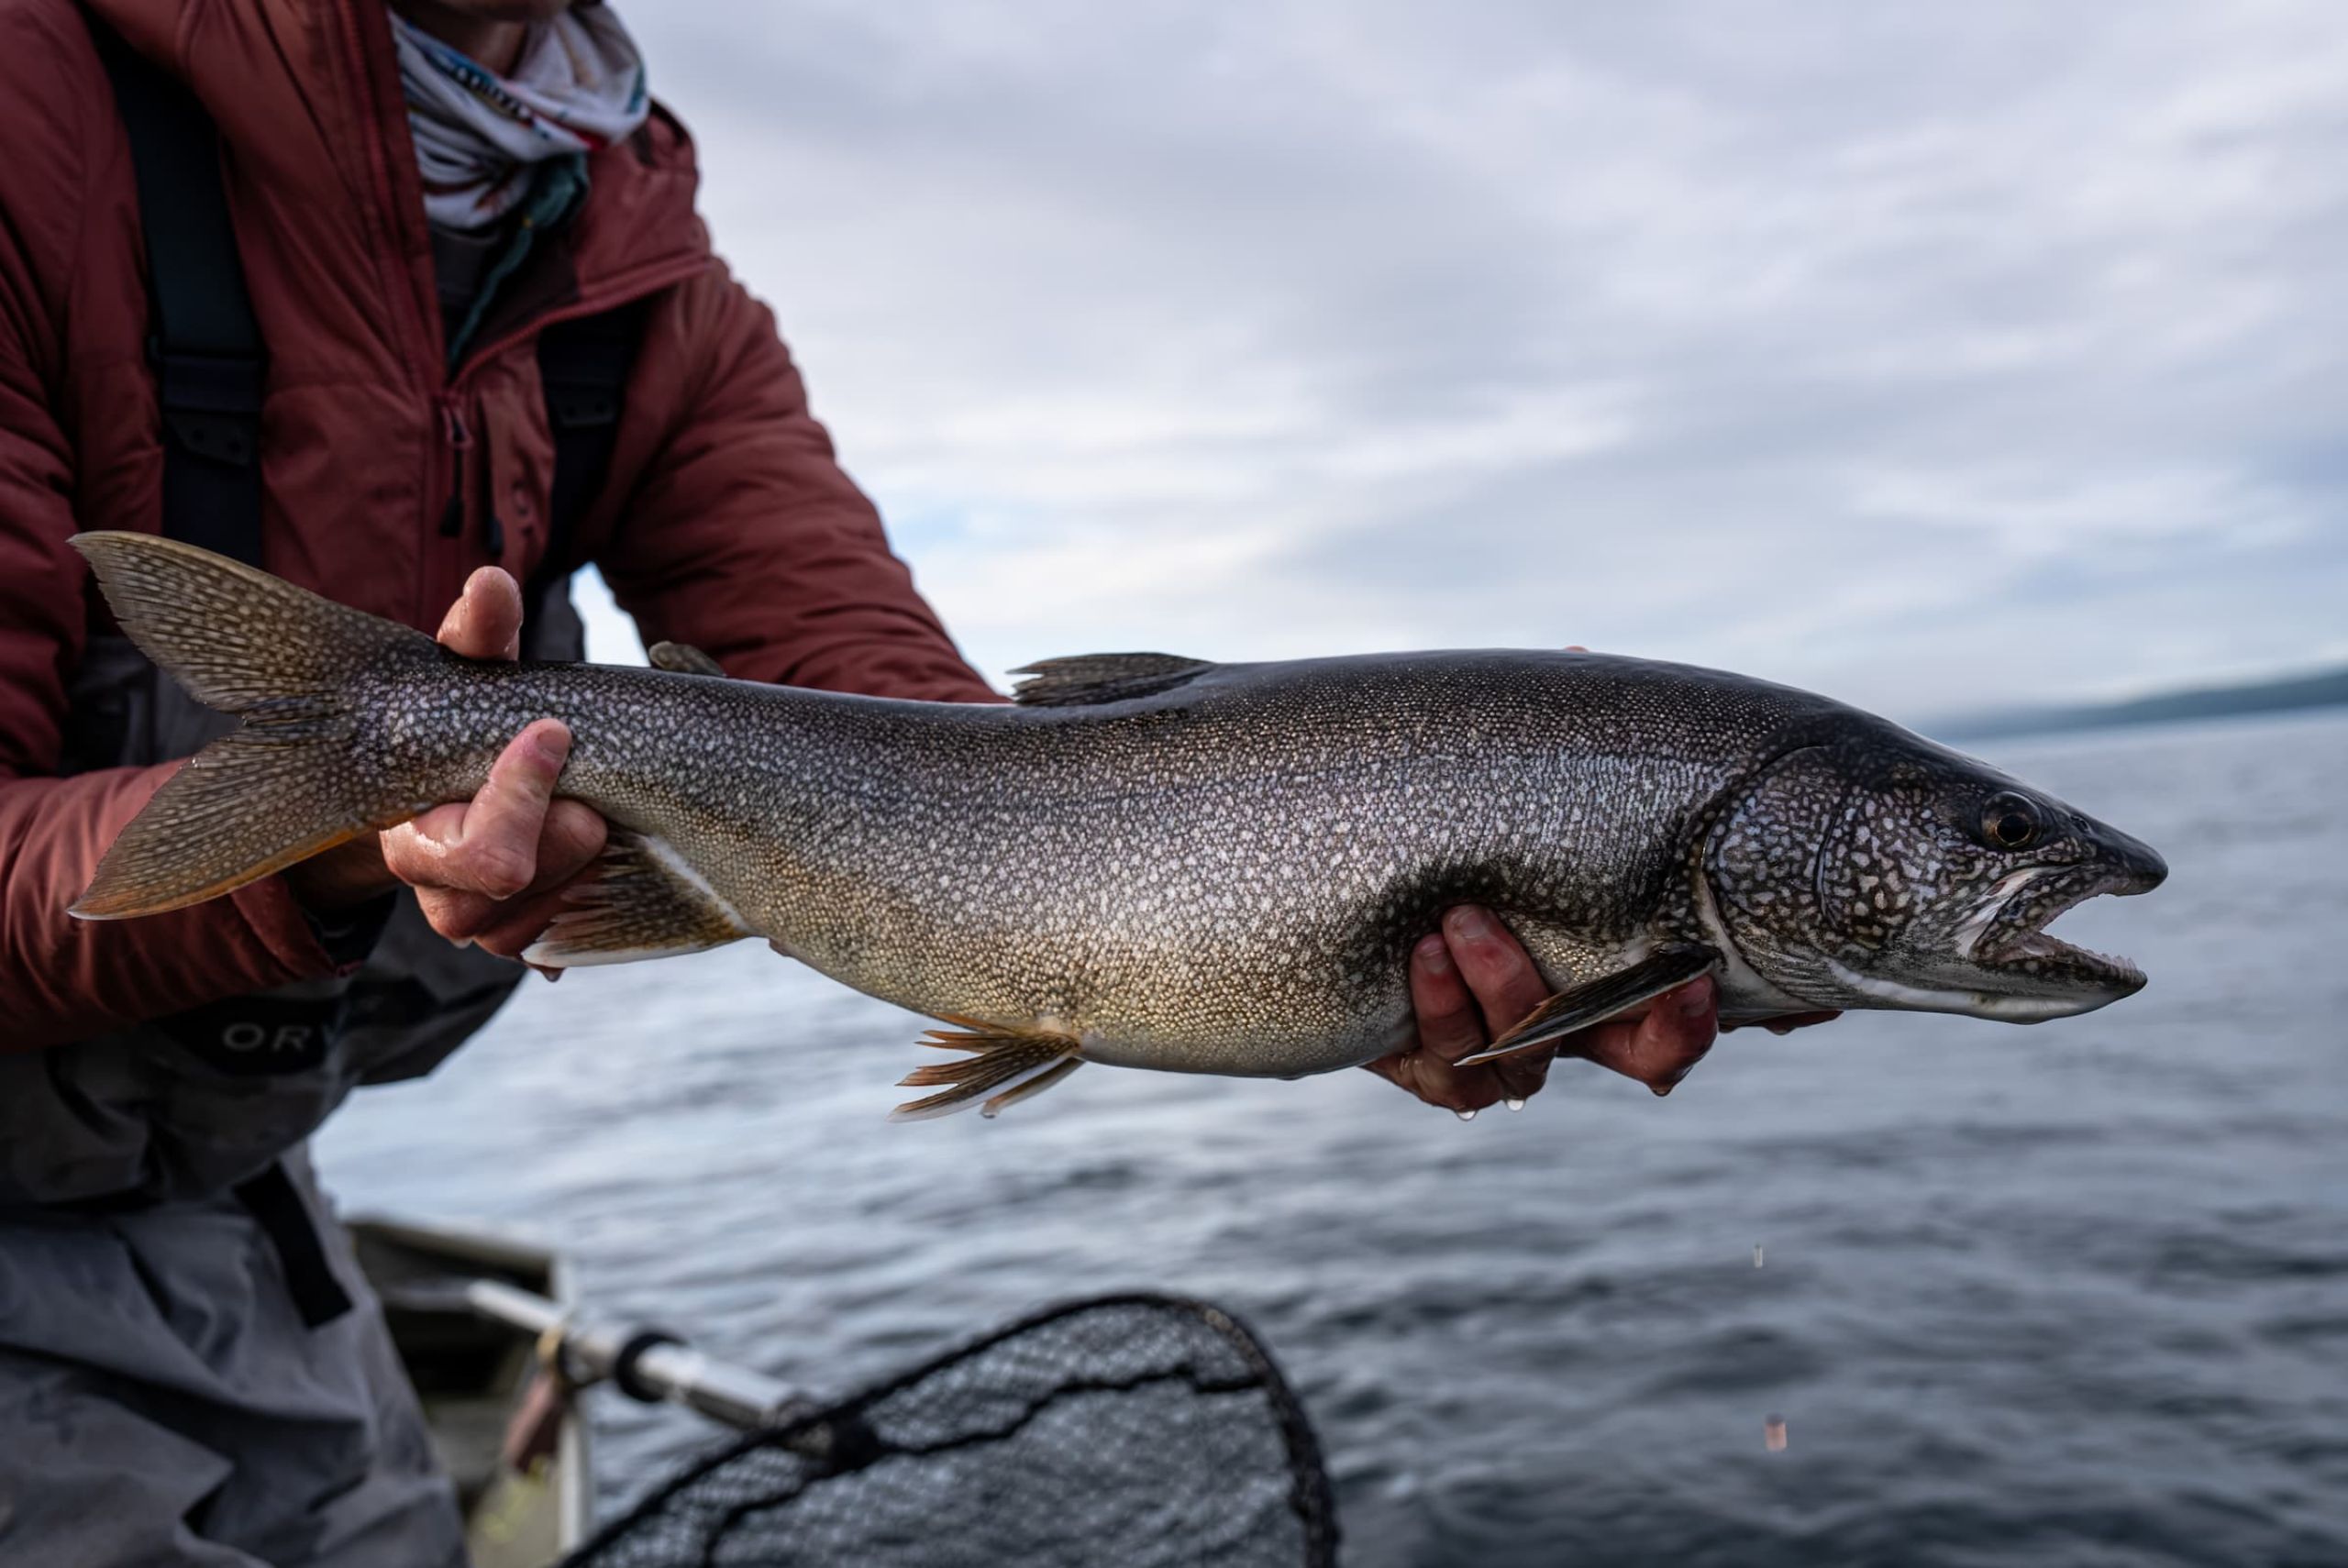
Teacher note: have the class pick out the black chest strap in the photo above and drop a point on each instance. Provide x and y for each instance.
(276, 1206)
(205, 345)
(583, 367)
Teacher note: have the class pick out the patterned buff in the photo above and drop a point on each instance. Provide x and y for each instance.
(578, 86)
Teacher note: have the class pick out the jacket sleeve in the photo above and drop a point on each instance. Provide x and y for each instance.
(745, 537)
(60, 979)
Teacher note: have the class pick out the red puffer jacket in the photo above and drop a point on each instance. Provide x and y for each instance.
(725, 524)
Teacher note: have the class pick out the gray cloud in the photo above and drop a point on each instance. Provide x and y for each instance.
(1927, 356)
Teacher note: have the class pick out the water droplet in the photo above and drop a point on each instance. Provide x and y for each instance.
(1514, 1102)
(1465, 1115)
(1772, 1434)
(1757, 1254)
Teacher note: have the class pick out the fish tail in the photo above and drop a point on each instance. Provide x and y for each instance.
(287, 784)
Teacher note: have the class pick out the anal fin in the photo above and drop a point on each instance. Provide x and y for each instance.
(644, 901)
(1005, 1066)
(1599, 1000)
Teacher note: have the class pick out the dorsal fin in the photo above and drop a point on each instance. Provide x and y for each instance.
(1088, 679)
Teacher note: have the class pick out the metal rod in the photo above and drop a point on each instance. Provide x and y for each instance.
(674, 1371)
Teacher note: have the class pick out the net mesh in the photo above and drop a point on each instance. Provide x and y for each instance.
(1135, 1429)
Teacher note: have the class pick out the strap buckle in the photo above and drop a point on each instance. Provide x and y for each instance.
(211, 403)
(581, 404)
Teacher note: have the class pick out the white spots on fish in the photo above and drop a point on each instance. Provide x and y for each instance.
(1306, 834)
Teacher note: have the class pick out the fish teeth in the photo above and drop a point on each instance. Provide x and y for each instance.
(2044, 943)
(2034, 940)
(1979, 923)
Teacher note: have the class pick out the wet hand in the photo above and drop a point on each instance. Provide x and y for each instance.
(1472, 981)
(490, 870)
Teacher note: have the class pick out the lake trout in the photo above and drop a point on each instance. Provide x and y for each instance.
(1152, 861)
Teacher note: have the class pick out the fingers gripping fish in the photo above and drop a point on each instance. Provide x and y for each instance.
(1152, 861)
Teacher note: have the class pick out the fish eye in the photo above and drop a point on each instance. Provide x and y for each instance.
(2009, 822)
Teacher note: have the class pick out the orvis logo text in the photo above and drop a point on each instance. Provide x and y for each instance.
(286, 1038)
(258, 1037)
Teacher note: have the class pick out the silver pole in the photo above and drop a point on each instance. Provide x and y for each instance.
(673, 1371)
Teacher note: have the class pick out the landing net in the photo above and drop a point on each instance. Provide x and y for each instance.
(1140, 1430)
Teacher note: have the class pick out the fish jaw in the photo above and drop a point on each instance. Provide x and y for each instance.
(2014, 939)
(2007, 965)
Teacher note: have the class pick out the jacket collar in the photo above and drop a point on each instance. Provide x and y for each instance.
(307, 95)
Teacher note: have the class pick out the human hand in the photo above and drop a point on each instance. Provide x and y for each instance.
(490, 870)
(1473, 980)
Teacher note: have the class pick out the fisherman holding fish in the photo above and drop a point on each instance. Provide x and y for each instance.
(413, 309)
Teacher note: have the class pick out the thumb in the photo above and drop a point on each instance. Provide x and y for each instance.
(486, 620)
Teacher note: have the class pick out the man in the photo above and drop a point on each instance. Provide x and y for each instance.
(191, 1370)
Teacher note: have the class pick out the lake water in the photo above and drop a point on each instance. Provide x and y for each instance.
(2073, 1293)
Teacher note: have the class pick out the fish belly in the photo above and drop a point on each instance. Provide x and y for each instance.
(1190, 973)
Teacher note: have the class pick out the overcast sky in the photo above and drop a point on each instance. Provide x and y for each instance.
(1934, 356)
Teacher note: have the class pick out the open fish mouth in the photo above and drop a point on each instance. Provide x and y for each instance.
(2008, 935)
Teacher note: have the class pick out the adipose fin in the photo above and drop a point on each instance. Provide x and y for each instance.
(683, 659)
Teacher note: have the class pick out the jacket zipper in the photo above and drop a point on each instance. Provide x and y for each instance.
(462, 440)
(459, 440)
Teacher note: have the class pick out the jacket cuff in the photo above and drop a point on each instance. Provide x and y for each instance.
(278, 921)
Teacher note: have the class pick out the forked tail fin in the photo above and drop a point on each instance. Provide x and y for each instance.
(284, 786)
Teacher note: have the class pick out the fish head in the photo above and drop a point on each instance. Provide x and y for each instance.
(1879, 870)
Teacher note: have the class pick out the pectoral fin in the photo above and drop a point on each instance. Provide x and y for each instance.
(644, 902)
(1006, 1066)
(1599, 1000)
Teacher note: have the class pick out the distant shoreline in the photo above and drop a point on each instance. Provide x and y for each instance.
(2328, 689)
